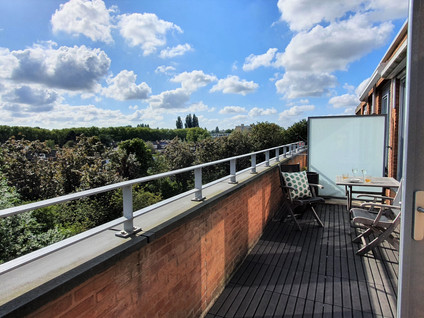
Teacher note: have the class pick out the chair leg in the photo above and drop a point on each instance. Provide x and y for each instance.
(375, 242)
(316, 216)
(367, 233)
(294, 218)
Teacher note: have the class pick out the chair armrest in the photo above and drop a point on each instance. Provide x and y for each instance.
(380, 205)
(287, 187)
(375, 196)
(316, 185)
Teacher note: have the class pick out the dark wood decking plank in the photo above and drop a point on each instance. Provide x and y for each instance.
(281, 306)
(263, 305)
(311, 273)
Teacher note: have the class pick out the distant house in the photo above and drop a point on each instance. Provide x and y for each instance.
(385, 94)
(242, 128)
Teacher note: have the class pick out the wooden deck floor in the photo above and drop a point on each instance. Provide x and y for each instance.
(312, 273)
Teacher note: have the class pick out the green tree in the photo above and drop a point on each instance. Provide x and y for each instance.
(179, 123)
(179, 155)
(188, 121)
(28, 168)
(296, 132)
(142, 154)
(195, 121)
(22, 233)
(266, 135)
(197, 134)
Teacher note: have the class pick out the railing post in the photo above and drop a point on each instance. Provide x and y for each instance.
(233, 172)
(277, 154)
(267, 159)
(127, 200)
(198, 185)
(285, 152)
(253, 162)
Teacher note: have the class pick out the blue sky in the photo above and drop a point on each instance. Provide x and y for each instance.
(114, 63)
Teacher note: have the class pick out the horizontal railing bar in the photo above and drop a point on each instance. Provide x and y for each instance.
(25, 259)
(90, 192)
(17, 262)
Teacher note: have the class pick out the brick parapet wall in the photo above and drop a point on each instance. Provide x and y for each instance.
(181, 273)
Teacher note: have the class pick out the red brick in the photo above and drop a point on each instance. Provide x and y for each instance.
(80, 309)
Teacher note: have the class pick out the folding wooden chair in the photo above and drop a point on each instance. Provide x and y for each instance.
(298, 193)
(381, 222)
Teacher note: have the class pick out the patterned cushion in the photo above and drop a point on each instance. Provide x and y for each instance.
(299, 181)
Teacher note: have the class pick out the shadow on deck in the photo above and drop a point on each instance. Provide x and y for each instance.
(313, 273)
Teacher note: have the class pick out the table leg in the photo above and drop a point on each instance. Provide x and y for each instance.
(348, 191)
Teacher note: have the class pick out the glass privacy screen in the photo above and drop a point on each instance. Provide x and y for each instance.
(338, 144)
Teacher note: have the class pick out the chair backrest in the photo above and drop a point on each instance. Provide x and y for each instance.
(397, 199)
(290, 168)
(300, 184)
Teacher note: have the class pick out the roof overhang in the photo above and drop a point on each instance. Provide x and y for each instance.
(391, 63)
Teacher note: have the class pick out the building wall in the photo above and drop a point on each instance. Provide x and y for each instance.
(181, 273)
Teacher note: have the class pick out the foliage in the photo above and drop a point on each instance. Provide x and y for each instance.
(188, 121)
(108, 135)
(266, 135)
(211, 150)
(191, 121)
(238, 143)
(197, 134)
(195, 121)
(179, 155)
(86, 165)
(142, 155)
(179, 123)
(21, 234)
(28, 167)
(296, 132)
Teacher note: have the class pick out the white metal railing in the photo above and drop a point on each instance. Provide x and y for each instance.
(126, 186)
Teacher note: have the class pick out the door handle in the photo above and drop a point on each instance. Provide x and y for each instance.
(418, 234)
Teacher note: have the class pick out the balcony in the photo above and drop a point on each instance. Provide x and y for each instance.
(312, 273)
(222, 256)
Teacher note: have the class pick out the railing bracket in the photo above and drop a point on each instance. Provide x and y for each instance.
(125, 234)
(198, 199)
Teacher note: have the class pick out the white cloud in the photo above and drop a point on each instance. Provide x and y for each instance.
(178, 50)
(382, 10)
(303, 15)
(303, 84)
(62, 116)
(191, 81)
(256, 112)
(71, 68)
(362, 86)
(295, 112)
(239, 117)
(233, 85)
(123, 87)
(90, 18)
(145, 30)
(254, 61)
(165, 69)
(173, 99)
(232, 110)
(330, 48)
(344, 101)
(38, 99)
(329, 35)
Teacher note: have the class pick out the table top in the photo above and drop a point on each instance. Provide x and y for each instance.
(385, 182)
